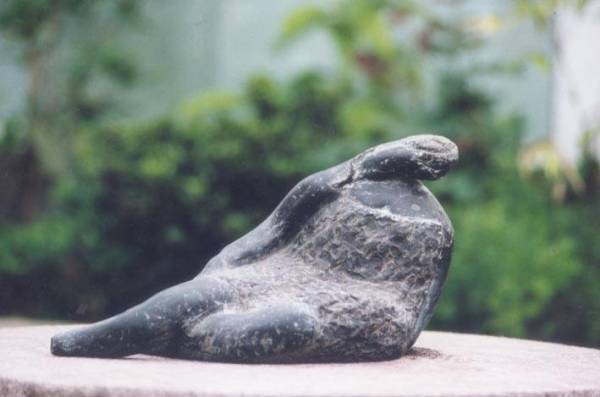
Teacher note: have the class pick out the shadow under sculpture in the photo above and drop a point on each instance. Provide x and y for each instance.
(348, 267)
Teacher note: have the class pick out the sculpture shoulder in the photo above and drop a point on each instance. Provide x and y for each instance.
(409, 199)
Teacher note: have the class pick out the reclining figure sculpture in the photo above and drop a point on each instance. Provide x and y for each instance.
(348, 267)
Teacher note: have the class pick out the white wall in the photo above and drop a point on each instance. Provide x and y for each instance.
(246, 34)
(13, 81)
(576, 106)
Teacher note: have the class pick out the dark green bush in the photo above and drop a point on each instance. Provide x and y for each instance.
(146, 204)
(149, 203)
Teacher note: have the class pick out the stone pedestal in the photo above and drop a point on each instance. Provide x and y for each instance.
(440, 364)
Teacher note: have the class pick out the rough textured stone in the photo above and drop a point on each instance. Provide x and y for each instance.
(348, 267)
(440, 364)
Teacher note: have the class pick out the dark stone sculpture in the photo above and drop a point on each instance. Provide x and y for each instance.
(348, 267)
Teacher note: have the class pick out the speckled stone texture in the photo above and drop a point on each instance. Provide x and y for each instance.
(348, 267)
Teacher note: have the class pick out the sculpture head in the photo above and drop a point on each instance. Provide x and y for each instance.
(417, 157)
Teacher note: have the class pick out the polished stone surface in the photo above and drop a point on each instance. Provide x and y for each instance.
(440, 364)
(348, 267)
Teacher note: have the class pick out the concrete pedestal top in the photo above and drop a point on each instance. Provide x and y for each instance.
(440, 364)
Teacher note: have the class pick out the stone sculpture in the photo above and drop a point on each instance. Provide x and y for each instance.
(348, 267)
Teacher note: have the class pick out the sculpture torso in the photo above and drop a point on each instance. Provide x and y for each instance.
(380, 251)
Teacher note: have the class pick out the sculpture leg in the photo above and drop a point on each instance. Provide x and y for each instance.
(273, 334)
(151, 327)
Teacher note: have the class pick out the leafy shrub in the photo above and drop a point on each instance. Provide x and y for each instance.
(151, 202)
(148, 203)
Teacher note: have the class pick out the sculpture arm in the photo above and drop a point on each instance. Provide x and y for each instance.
(303, 201)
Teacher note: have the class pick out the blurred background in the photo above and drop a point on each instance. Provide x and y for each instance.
(137, 138)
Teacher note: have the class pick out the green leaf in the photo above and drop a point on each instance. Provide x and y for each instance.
(299, 22)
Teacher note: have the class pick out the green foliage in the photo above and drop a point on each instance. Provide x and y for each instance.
(68, 49)
(29, 20)
(365, 33)
(510, 261)
(148, 203)
(541, 12)
(161, 197)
